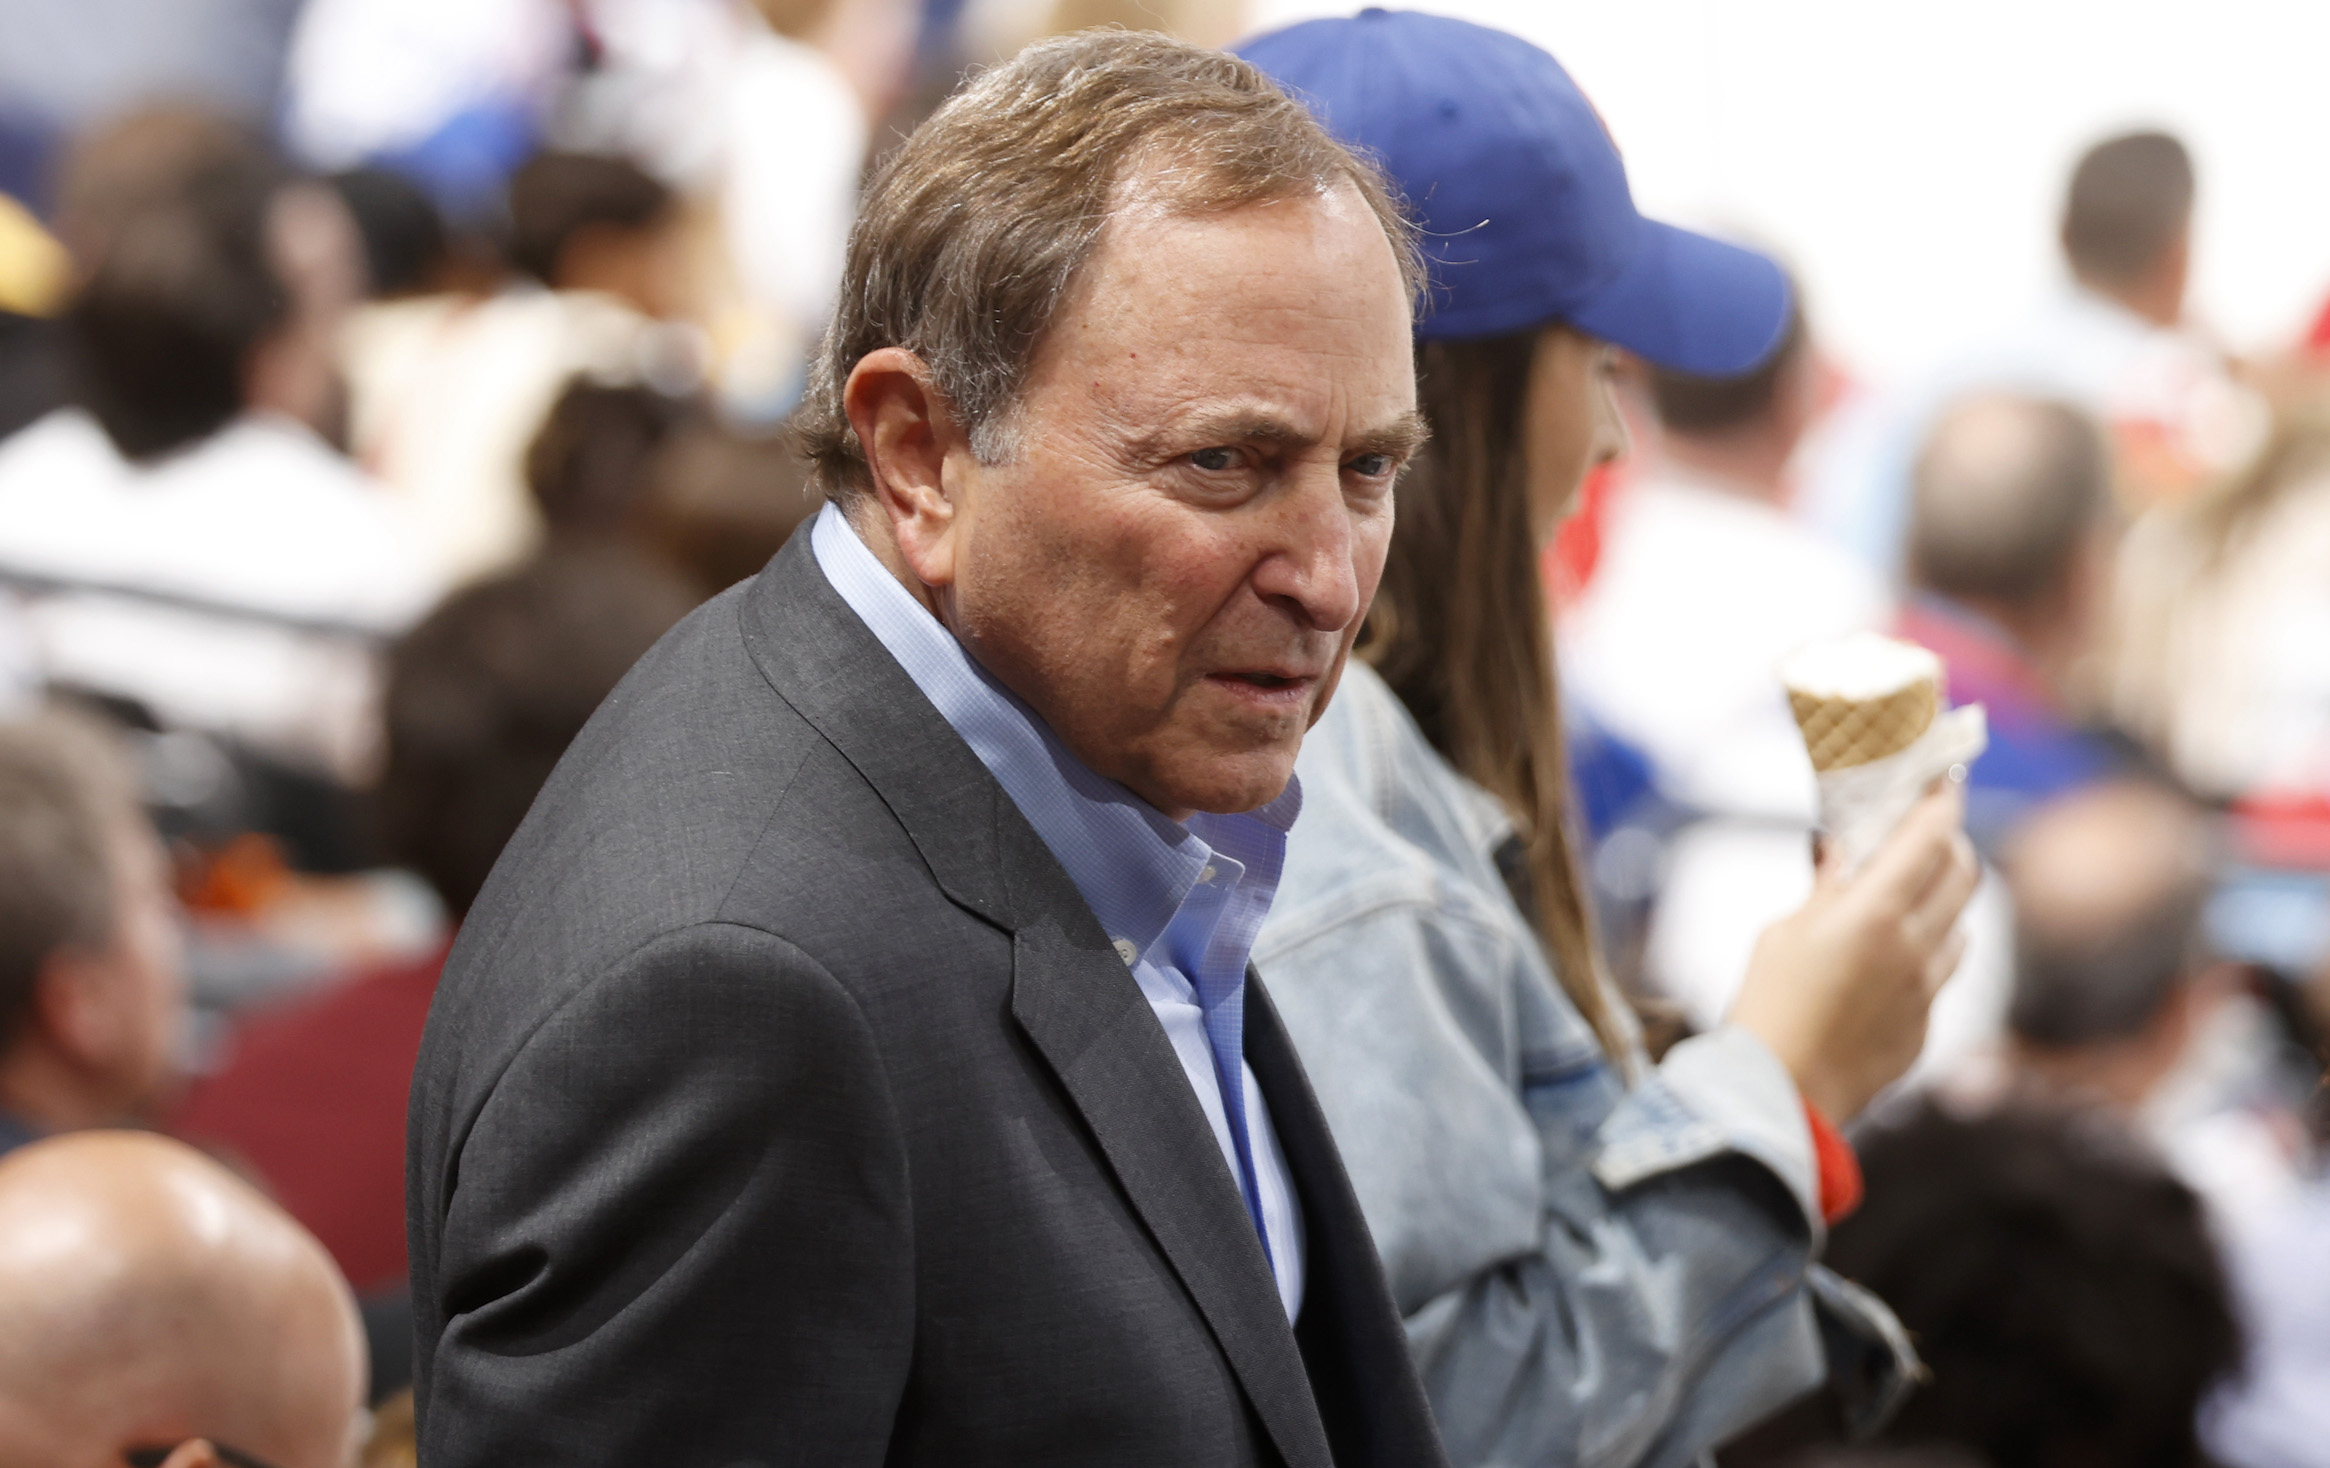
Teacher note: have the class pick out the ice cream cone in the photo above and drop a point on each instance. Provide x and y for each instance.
(1862, 698)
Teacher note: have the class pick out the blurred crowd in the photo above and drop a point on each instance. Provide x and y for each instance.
(379, 380)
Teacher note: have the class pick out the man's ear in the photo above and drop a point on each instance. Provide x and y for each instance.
(908, 431)
(69, 1004)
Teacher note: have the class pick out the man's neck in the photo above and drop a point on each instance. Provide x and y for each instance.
(2122, 1073)
(1752, 465)
(2156, 302)
(2040, 636)
(40, 1089)
(862, 517)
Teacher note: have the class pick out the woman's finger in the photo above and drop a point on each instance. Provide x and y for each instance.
(1938, 910)
(1944, 961)
(1917, 854)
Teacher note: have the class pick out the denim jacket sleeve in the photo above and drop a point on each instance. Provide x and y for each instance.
(1594, 1273)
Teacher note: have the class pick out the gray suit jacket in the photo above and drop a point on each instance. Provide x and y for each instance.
(784, 1103)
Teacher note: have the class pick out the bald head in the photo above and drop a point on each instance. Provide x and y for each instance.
(2109, 885)
(147, 1296)
(2006, 491)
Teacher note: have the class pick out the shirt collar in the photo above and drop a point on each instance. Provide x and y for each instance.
(1133, 866)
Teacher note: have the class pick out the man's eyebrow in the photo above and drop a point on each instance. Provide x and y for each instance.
(1401, 437)
(1225, 425)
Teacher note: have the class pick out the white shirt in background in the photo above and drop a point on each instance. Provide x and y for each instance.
(368, 77)
(771, 134)
(446, 394)
(240, 586)
(1675, 643)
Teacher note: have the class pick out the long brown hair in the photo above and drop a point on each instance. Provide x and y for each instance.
(1461, 632)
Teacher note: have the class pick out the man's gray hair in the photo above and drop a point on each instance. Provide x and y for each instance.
(973, 232)
(2003, 494)
(2111, 888)
(65, 800)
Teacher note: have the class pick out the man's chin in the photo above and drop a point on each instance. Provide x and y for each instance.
(1224, 785)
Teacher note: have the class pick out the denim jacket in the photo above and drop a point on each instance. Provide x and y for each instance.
(1594, 1272)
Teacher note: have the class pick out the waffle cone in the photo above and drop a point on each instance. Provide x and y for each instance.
(1841, 732)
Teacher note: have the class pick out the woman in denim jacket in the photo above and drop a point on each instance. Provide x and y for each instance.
(1603, 1261)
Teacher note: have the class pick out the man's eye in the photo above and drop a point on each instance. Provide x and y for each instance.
(1371, 466)
(1215, 461)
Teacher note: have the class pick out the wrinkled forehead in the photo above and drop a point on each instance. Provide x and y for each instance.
(1295, 296)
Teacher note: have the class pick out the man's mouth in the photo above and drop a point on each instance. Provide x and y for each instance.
(1266, 685)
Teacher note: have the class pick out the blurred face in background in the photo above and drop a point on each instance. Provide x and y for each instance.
(316, 253)
(650, 267)
(1172, 562)
(134, 1027)
(1573, 426)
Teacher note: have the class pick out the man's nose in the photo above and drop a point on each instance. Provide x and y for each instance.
(1311, 566)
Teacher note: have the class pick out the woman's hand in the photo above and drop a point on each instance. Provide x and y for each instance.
(1840, 988)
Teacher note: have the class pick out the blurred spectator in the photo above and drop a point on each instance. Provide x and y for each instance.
(405, 249)
(158, 152)
(2114, 341)
(2119, 1002)
(92, 988)
(580, 222)
(2127, 224)
(2109, 890)
(188, 542)
(722, 504)
(152, 1303)
(2062, 1288)
(1705, 583)
(2010, 545)
(630, 464)
(483, 698)
(592, 465)
(450, 389)
(110, 172)
(2223, 610)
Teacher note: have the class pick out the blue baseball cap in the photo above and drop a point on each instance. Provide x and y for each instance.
(1523, 200)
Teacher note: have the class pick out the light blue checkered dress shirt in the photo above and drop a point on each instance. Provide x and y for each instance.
(1183, 902)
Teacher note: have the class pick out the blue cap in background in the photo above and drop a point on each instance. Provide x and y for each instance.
(1523, 201)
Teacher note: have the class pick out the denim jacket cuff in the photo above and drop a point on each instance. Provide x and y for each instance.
(1723, 1091)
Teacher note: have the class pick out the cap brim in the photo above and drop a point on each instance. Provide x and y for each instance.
(1691, 304)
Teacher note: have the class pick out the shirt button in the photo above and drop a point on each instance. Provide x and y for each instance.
(1126, 951)
(1208, 874)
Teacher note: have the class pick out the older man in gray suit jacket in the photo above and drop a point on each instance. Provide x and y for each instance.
(854, 1058)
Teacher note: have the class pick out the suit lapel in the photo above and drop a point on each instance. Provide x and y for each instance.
(837, 674)
(1369, 1398)
(1070, 992)
(1080, 1006)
